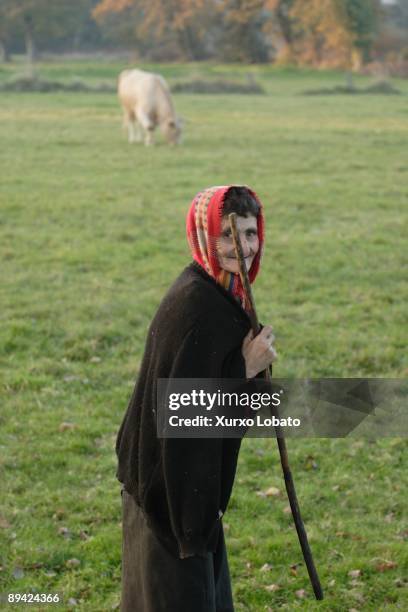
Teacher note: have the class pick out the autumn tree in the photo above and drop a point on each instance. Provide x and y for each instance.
(323, 36)
(334, 33)
(4, 34)
(42, 23)
(242, 34)
(17, 13)
(363, 18)
(281, 29)
(119, 25)
(182, 22)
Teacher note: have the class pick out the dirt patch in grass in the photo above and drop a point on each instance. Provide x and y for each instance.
(218, 86)
(198, 86)
(35, 84)
(381, 87)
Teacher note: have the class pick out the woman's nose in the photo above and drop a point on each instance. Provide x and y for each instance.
(245, 245)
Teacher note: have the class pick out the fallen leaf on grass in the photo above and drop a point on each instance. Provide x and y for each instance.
(59, 514)
(64, 531)
(65, 426)
(18, 573)
(358, 596)
(354, 573)
(293, 569)
(272, 492)
(352, 536)
(386, 565)
(266, 567)
(336, 554)
(36, 565)
(310, 463)
(301, 593)
(272, 587)
(4, 524)
(331, 583)
(73, 563)
(388, 518)
(287, 510)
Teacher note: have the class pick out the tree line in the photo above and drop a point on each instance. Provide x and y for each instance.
(322, 33)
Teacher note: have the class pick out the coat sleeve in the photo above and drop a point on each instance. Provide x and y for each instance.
(193, 468)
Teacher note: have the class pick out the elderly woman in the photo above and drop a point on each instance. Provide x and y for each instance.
(175, 491)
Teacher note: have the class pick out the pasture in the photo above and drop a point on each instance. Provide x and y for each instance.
(92, 234)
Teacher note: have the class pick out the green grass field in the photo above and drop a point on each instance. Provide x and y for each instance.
(92, 234)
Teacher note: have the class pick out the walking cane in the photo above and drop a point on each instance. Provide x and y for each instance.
(290, 486)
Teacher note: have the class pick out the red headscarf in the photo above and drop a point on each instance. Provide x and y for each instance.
(203, 230)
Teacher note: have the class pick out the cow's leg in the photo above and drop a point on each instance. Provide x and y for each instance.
(127, 125)
(131, 132)
(149, 136)
(148, 127)
(130, 124)
(137, 131)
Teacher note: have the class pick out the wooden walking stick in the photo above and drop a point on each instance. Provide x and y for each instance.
(290, 486)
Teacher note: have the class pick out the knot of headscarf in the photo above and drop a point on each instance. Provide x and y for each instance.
(204, 229)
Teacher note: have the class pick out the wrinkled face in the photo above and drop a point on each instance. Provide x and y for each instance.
(172, 131)
(248, 233)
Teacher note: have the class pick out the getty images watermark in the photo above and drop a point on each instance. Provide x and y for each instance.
(222, 400)
(331, 407)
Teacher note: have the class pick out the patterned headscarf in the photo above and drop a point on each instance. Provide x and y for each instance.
(203, 230)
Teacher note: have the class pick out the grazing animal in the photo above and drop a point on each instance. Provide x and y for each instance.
(147, 103)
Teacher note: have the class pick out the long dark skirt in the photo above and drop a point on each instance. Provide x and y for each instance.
(154, 580)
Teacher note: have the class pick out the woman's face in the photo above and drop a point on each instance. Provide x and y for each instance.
(248, 233)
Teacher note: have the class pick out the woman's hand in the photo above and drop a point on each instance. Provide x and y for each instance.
(258, 352)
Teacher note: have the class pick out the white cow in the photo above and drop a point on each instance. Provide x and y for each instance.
(147, 103)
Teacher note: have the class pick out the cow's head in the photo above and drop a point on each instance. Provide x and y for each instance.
(172, 130)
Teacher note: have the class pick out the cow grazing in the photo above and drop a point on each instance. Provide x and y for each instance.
(147, 103)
